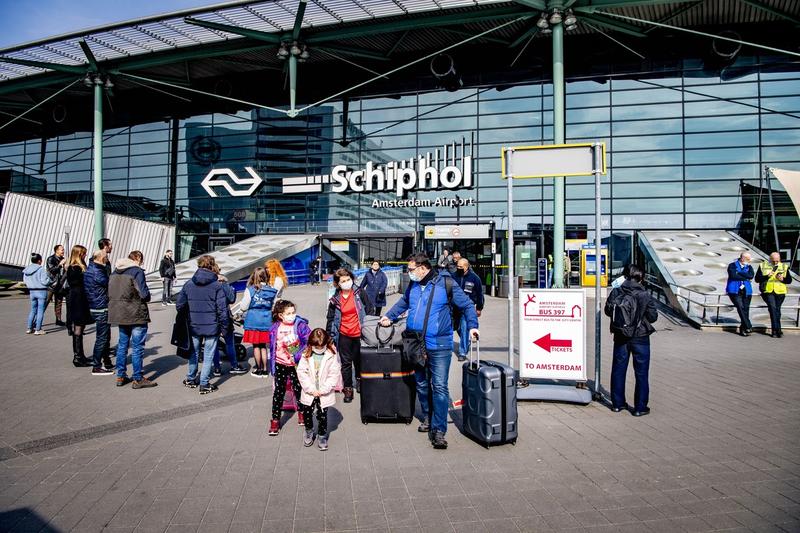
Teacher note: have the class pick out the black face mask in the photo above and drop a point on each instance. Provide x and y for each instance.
(462, 271)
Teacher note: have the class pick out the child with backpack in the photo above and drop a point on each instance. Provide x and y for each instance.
(257, 304)
(320, 373)
(288, 339)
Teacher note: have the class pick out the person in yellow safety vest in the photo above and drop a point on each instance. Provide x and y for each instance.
(772, 277)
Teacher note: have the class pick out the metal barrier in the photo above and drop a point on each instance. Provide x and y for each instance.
(684, 297)
(393, 274)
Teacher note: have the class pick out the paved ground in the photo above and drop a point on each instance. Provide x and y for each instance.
(719, 451)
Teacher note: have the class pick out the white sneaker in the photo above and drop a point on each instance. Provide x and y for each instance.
(28, 331)
(39, 332)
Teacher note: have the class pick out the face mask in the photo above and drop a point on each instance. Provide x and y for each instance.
(318, 351)
(376, 268)
(262, 284)
(413, 276)
(288, 318)
(347, 285)
(462, 270)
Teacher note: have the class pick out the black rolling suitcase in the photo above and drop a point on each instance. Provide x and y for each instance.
(388, 388)
(489, 392)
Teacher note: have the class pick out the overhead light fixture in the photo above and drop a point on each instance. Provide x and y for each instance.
(542, 22)
(545, 31)
(570, 19)
(295, 50)
(283, 53)
(88, 81)
(555, 17)
(108, 84)
(570, 27)
(304, 54)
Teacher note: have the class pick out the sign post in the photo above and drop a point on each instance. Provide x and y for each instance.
(582, 159)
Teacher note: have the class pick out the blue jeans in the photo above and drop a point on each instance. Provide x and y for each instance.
(102, 340)
(209, 350)
(463, 338)
(230, 348)
(639, 348)
(38, 303)
(135, 337)
(433, 379)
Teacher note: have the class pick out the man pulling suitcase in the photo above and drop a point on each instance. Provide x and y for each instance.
(428, 300)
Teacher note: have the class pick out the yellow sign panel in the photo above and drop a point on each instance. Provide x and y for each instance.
(552, 160)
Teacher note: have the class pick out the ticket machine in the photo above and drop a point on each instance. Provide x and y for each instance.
(588, 267)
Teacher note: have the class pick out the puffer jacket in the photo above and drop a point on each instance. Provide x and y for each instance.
(334, 316)
(325, 381)
(439, 334)
(645, 308)
(95, 283)
(207, 302)
(128, 295)
(35, 277)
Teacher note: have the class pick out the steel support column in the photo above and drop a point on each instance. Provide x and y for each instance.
(97, 155)
(292, 85)
(558, 138)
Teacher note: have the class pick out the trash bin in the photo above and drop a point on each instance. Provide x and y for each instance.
(502, 289)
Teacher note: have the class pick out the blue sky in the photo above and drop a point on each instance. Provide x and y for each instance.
(28, 20)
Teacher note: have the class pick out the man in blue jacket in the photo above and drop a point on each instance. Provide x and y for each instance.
(95, 283)
(471, 284)
(208, 318)
(432, 381)
(740, 290)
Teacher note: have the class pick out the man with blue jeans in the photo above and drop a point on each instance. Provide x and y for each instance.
(432, 380)
(206, 299)
(471, 284)
(128, 296)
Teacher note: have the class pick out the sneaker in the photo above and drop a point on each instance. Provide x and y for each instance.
(28, 331)
(263, 373)
(122, 381)
(308, 438)
(255, 372)
(300, 419)
(60, 323)
(217, 372)
(238, 370)
(100, 371)
(163, 304)
(438, 441)
(274, 427)
(323, 442)
(170, 303)
(425, 426)
(462, 358)
(189, 383)
(40, 332)
(208, 388)
(143, 383)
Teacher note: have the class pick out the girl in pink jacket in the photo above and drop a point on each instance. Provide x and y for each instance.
(320, 373)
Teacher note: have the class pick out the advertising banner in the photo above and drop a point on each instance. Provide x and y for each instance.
(552, 334)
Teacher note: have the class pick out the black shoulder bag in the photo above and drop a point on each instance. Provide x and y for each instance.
(414, 352)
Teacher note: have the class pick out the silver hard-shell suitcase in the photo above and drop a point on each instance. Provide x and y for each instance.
(489, 392)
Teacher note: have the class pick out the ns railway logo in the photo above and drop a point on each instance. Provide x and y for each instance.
(440, 170)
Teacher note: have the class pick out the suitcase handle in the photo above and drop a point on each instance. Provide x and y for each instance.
(381, 343)
(475, 347)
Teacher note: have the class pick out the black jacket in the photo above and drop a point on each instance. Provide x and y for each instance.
(56, 272)
(645, 306)
(167, 268)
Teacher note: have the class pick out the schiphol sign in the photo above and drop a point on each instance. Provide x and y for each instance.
(436, 171)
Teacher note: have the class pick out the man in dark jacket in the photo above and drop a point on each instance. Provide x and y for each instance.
(374, 284)
(642, 312)
(95, 284)
(208, 318)
(470, 283)
(127, 308)
(57, 273)
(167, 272)
(105, 245)
(740, 290)
(432, 386)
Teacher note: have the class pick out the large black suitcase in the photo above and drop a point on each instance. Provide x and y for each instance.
(489, 409)
(388, 387)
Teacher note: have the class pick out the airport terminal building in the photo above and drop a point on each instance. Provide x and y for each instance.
(242, 120)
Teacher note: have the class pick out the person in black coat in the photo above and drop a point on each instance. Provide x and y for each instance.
(471, 284)
(205, 297)
(56, 264)
(167, 272)
(78, 315)
(644, 313)
(374, 284)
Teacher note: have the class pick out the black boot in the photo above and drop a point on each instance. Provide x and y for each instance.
(78, 358)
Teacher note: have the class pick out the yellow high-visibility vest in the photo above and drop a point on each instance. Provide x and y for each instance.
(772, 284)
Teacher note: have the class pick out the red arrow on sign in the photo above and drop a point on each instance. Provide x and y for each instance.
(545, 343)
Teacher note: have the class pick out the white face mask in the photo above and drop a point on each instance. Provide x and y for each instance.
(288, 318)
(318, 351)
(346, 285)
(376, 268)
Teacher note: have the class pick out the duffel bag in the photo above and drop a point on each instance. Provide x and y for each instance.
(375, 335)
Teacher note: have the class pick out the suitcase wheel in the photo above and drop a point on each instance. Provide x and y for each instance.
(241, 352)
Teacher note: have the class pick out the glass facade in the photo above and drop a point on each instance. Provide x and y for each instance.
(681, 145)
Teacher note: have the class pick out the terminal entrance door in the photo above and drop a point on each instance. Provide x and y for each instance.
(472, 240)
